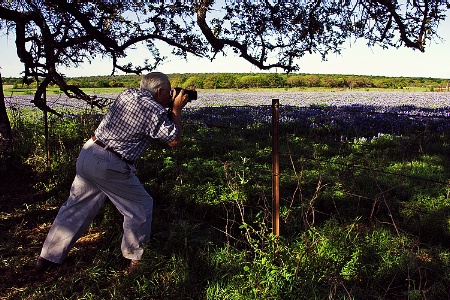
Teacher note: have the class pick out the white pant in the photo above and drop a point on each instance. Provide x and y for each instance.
(100, 174)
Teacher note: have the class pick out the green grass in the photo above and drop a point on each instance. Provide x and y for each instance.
(8, 90)
(346, 232)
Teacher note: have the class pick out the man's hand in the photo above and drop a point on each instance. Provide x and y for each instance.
(180, 100)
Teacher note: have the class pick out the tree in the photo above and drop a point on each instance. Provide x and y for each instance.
(251, 81)
(268, 34)
(296, 81)
(5, 127)
(274, 80)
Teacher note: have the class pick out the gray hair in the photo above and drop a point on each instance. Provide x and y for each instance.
(154, 80)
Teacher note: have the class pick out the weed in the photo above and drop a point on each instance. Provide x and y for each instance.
(363, 216)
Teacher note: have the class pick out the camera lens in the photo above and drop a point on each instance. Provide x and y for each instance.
(192, 94)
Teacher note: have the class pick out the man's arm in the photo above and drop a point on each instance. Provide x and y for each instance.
(178, 103)
(176, 119)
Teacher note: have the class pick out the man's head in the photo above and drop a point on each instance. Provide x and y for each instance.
(159, 85)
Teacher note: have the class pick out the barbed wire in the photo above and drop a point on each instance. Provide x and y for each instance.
(346, 165)
(54, 101)
(195, 118)
(353, 166)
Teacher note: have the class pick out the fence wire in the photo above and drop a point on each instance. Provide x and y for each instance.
(349, 123)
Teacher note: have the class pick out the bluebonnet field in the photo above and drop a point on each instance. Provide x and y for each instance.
(344, 115)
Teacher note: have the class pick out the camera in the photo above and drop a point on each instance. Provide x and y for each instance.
(192, 94)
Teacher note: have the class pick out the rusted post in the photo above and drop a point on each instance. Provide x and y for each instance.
(47, 142)
(275, 168)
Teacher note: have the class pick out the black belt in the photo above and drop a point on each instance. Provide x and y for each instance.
(101, 144)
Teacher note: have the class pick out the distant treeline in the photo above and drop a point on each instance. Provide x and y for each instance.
(256, 80)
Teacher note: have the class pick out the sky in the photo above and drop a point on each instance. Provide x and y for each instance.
(355, 59)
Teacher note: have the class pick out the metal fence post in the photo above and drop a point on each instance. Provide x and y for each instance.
(275, 168)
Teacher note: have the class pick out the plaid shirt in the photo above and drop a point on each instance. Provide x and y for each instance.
(133, 120)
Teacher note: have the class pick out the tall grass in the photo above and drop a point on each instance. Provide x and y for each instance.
(360, 219)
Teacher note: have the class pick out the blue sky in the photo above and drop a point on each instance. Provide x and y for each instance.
(356, 58)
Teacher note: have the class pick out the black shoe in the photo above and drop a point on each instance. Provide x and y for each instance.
(43, 265)
(134, 267)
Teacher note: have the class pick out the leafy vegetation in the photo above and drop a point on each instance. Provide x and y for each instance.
(364, 207)
(252, 80)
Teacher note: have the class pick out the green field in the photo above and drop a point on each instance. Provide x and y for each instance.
(9, 91)
(366, 217)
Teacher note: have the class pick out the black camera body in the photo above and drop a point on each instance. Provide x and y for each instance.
(192, 94)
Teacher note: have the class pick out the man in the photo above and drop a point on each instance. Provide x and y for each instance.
(105, 169)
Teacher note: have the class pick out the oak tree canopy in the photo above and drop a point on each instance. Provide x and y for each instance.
(267, 33)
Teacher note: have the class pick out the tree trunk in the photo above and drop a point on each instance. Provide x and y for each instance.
(5, 126)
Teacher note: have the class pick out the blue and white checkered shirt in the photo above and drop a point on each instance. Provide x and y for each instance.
(133, 120)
